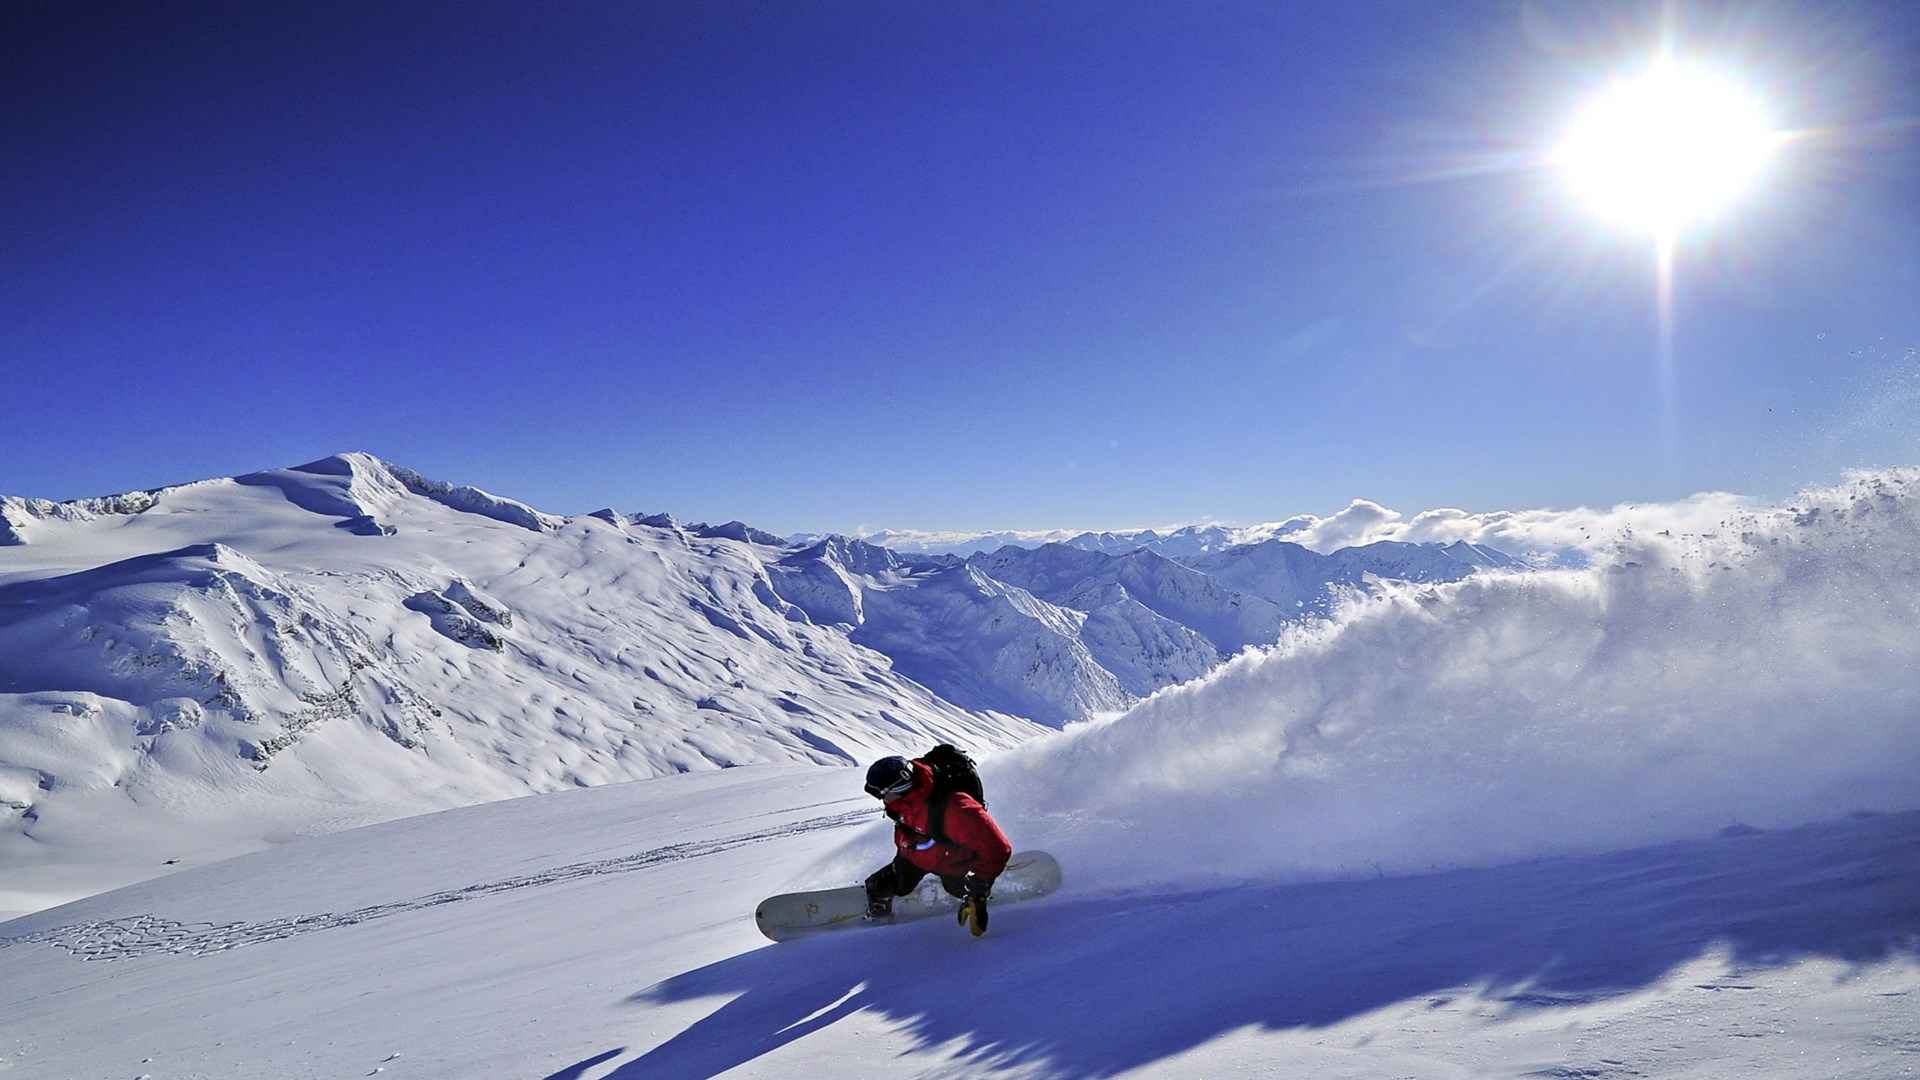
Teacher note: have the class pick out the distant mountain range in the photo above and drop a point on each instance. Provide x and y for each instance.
(1067, 630)
(352, 633)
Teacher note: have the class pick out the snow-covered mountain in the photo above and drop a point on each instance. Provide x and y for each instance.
(1066, 631)
(973, 639)
(1182, 543)
(1300, 581)
(303, 649)
(1157, 621)
(1155, 618)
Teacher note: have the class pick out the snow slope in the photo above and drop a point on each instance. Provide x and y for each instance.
(606, 933)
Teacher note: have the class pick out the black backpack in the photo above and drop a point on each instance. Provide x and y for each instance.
(953, 771)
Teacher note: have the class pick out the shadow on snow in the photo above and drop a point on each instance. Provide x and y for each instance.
(1090, 987)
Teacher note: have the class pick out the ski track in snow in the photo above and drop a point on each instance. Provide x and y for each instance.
(141, 935)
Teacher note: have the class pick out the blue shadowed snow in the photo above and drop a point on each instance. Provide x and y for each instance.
(1093, 986)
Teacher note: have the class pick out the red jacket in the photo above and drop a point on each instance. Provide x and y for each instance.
(973, 842)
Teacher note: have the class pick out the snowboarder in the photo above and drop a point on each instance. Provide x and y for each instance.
(937, 831)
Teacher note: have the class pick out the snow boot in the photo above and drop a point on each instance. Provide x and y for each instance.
(973, 909)
(880, 894)
(973, 915)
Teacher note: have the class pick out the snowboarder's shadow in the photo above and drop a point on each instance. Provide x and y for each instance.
(1094, 987)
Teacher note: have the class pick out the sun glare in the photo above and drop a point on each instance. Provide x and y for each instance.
(1668, 148)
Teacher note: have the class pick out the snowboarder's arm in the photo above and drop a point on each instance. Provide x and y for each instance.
(969, 826)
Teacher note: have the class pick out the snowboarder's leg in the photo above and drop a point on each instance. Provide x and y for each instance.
(880, 893)
(897, 878)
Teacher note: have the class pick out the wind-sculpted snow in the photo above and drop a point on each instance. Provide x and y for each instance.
(1765, 673)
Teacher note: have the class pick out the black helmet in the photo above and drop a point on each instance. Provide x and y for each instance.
(889, 778)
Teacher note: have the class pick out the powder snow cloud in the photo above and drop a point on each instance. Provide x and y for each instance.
(1714, 667)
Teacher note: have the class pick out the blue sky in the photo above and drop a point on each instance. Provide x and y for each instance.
(833, 266)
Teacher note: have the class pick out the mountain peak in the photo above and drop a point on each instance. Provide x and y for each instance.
(372, 488)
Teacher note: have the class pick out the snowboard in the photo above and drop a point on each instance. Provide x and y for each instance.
(791, 915)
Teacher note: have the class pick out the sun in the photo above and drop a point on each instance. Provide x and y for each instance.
(1670, 147)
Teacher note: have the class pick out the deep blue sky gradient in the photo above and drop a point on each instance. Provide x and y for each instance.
(826, 266)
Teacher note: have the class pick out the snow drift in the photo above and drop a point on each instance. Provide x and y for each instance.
(1759, 675)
